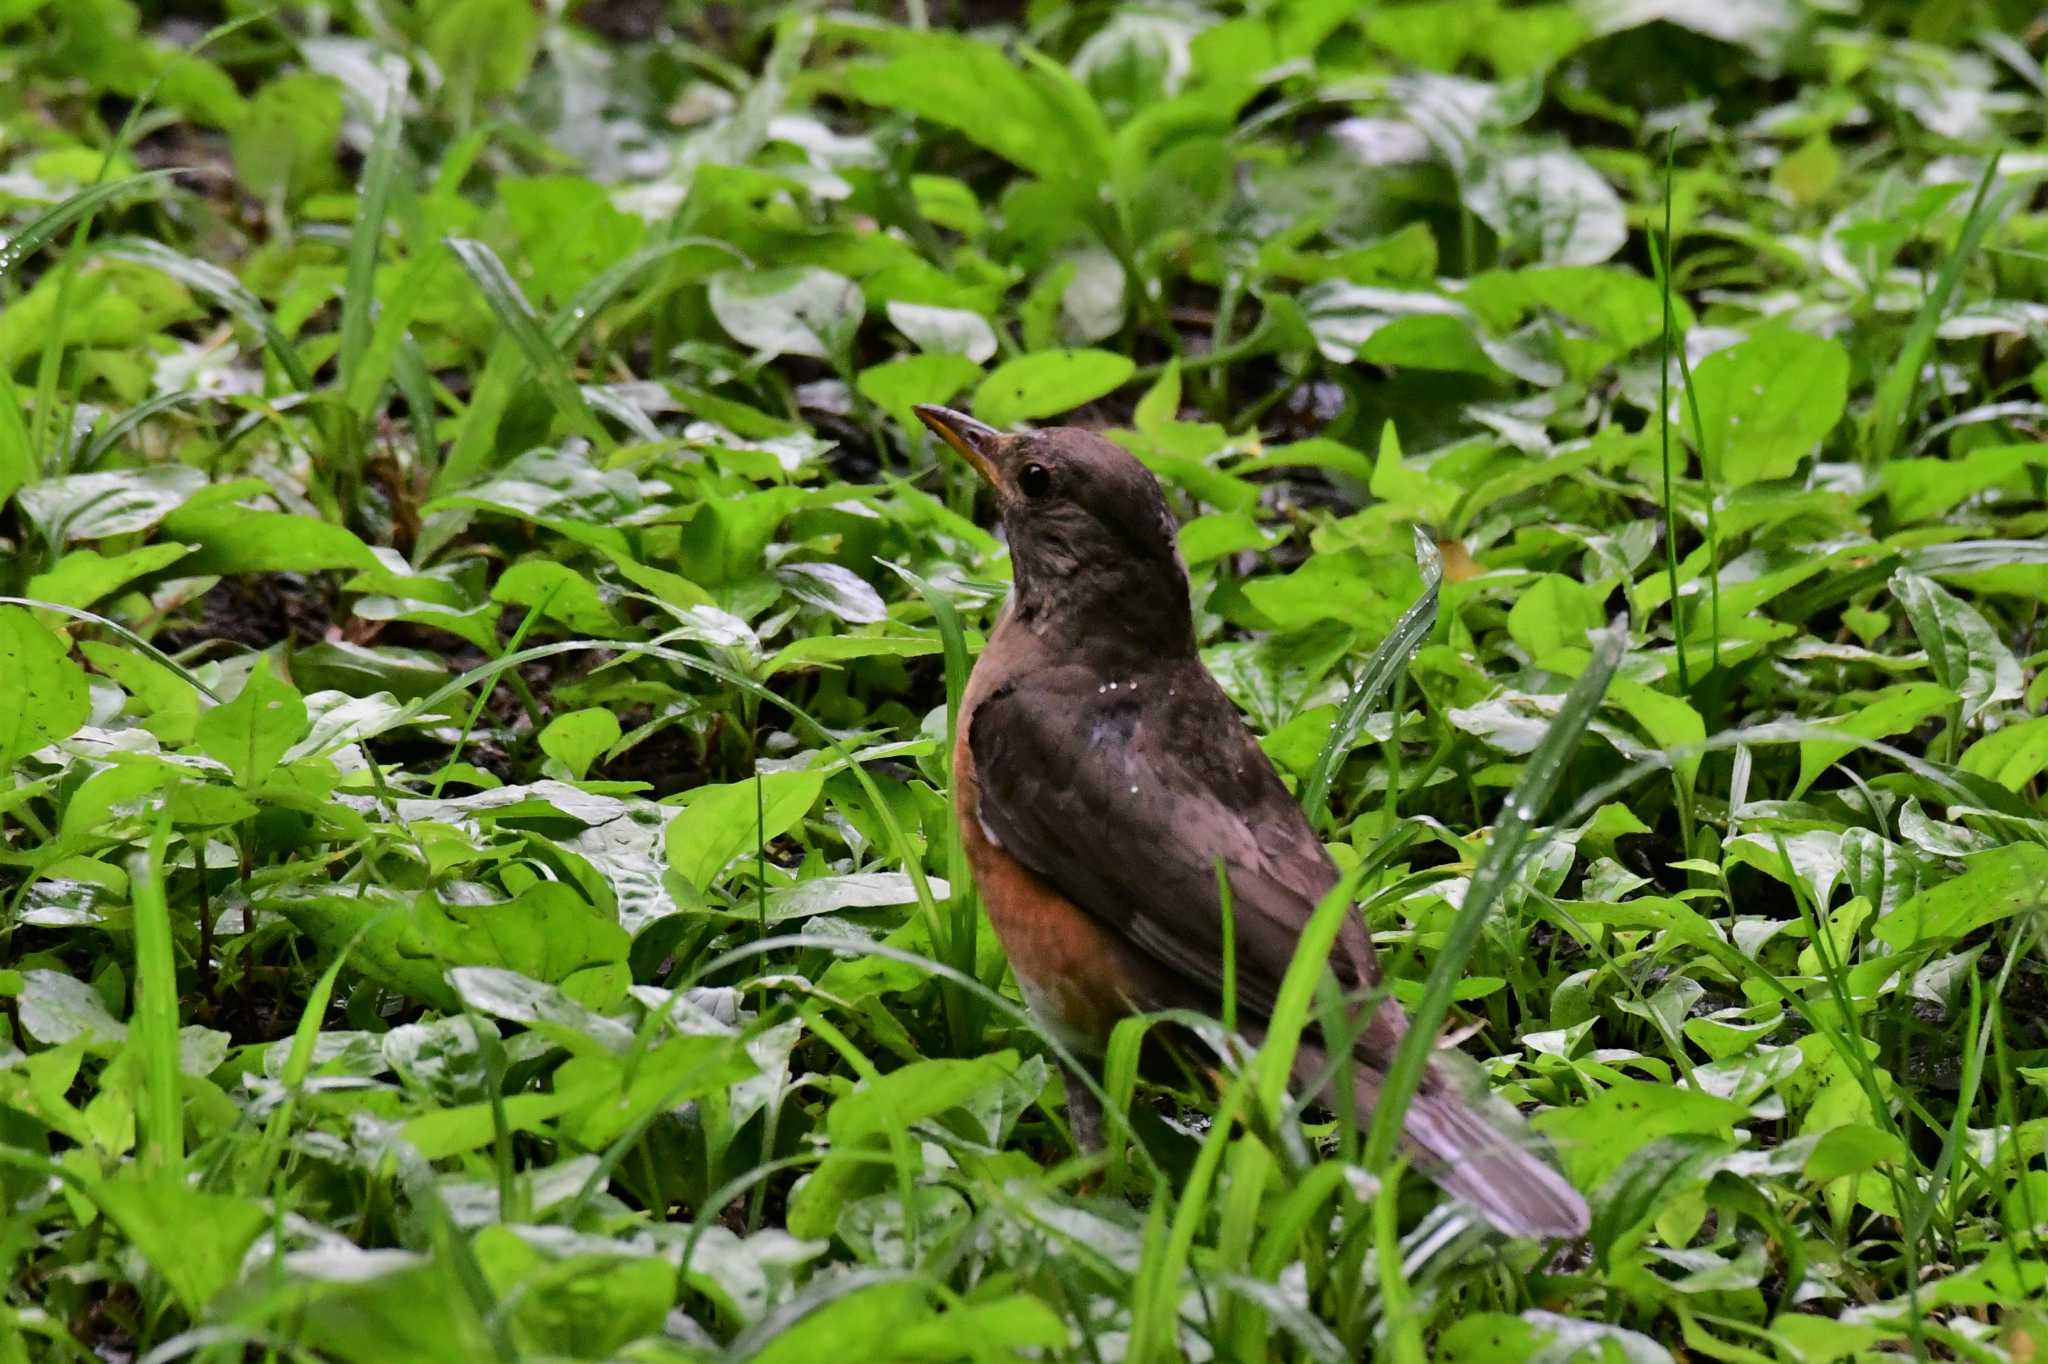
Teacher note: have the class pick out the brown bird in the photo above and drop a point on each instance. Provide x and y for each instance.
(1100, 773)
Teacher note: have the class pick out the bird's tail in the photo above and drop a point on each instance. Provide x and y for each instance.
(1485, 1161)
(1474, 1146)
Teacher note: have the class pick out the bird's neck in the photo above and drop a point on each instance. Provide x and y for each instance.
(1137, 620)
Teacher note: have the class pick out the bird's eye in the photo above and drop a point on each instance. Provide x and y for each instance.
(1034, 480)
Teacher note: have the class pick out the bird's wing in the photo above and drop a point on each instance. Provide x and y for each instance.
(1124, 800)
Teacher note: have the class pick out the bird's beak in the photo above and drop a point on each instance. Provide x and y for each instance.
(976, 441)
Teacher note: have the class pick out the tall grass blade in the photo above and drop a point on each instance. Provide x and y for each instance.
(1541, 773)
(523, 326)
(153, 1032)
(1892, 409)
(1393, 654)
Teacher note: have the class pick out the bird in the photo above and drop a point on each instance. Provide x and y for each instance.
(1100, 778)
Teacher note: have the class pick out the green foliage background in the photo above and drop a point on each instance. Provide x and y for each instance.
(482, 632)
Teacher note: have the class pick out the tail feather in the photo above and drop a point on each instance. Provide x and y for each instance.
(1470, 1155)
(1474, 1147)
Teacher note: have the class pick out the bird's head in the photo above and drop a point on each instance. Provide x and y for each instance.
(1092, 544)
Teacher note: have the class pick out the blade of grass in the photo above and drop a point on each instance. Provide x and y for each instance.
(508, 301)
(206, 278)
(154, 1029)
(1541, 772)
(127, 635)
(359, 288)
(1392, 655)
(1664, 425)
(1893, 406)
(964, 924)
(46, 226)
(495, 388)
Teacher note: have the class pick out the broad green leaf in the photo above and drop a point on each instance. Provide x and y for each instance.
(585, 1303)
(1994, 885)
(950, 331)
(1595, 1138)
(2012, 756)
(1891, 711)
(1038, 118)
(250, 733)
(234, 540)
(935, 377)
(98, 506)
(56, 1009)
(1048, 383)
(1670, 721)
(834, 589)
(195, 1240)
(1922, 489)
(285, 146)
(84, 576)
(1763, 26)
(47, 692)
(796, 310)
(826, 650)
(578, 738)
(548, 933)
(1549, 207)
(483, 47)
(1963, 651)
(1551, 614)
(561, 594)
(1764, 403)
(913, 1093)
(861, 890)
(721, 822)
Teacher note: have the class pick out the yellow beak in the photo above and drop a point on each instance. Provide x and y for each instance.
(976, 441)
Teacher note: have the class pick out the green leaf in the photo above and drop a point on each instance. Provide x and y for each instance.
(285, 145)
(1670, 721)
(920, 1090)
(1548, 206)
(1161, 403)
(48, 696)
(932, 378)
(547, 933)
(250, 733)
(719, 823)
(1963, 651)
(1388, 659)
(2012, 756)
(1596, 1138)
(523, 326)
(235, 540)
(1891, 711)
(1039, 119)
(1764, 403)
(1552, 614)
(195, 1240)
(824, 650)
(483, 47)
(99, 506)
(579, 737)
(1048, 383)
(561, 594)
(949, 331)
(84, 576)
(1994, 885)
(796, 310)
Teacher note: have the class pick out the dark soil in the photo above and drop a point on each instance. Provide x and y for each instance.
(255, 611)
